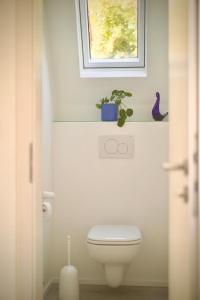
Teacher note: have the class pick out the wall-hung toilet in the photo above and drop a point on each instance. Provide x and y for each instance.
(114, 246)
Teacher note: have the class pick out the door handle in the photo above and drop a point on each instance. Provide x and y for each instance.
(176, 167)
(183, 193)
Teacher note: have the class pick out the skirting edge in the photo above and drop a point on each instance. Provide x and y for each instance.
(89, 281)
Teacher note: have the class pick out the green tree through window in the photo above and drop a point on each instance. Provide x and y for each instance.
(112, 29)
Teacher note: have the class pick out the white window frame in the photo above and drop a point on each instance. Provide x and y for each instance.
(135, 67)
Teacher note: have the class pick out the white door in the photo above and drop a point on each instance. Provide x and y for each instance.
(20, 214)
(183, 261)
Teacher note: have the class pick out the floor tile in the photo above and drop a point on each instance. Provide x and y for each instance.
(95, 292)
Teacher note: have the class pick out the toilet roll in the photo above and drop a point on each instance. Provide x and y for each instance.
(47, 210)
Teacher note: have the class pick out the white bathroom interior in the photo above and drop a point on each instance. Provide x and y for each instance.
(89, 188)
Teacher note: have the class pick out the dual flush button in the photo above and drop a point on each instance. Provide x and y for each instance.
(116, 146)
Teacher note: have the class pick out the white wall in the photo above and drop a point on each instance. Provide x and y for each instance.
(101, 191)
(74, 98)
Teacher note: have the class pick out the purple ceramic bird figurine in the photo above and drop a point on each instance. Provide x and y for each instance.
(156, 109)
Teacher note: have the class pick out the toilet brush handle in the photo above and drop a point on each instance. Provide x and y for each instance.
(69, 250)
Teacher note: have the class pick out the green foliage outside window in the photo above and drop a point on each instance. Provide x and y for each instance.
(113, 28)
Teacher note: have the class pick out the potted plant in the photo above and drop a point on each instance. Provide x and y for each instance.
(114, 109)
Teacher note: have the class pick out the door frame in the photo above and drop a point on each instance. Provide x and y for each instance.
(184, 221)
(20, 114)
(28, 61)
(198, 148)
(193, 132)
(27, 102)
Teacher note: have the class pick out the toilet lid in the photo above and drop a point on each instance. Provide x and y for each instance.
(114, 234)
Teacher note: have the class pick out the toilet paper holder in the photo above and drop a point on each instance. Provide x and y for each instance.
(47, 210)
(44, 207)
(48, 195)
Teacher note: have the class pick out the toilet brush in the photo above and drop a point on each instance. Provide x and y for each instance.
(68, 281)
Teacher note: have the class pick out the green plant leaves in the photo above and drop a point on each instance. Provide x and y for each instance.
(118, 102)
(106, 100)
(114, 92)
(98, 106)
(128, 94)
(121, 122)
(122, 113)
(129, 112)
(121, 94)
(123, 116)
(117, 97)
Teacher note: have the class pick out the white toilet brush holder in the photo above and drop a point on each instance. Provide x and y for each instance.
(68, 281)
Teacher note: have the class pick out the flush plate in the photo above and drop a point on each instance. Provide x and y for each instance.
(116, 146)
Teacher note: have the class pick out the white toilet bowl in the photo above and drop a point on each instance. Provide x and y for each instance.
(114, 246)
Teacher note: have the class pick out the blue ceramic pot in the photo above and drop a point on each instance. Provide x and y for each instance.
(109, 112)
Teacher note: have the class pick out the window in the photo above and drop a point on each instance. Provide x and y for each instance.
(111, 36)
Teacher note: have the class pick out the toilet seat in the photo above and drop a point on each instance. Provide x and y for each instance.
(114, 235)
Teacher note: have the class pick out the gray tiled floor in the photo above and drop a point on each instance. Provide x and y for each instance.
(92, 292)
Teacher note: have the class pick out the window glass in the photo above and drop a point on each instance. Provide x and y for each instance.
(112, 29)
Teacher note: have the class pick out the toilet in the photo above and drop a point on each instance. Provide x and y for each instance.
(114, 246)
